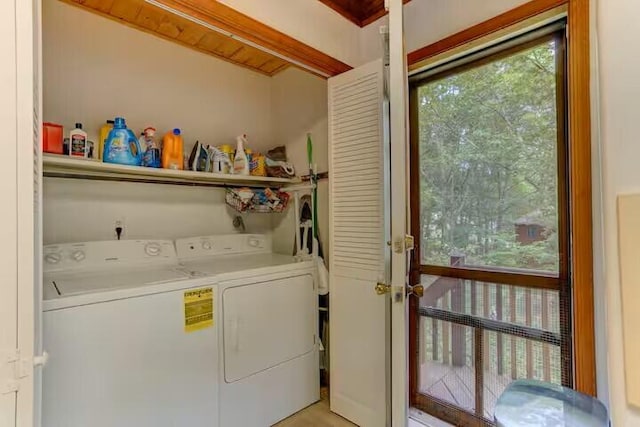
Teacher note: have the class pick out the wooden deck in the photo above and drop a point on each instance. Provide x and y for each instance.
(456, 385)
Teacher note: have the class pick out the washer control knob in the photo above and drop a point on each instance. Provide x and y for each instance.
(53, 258)
(78, 256)
(153, 249)
(254, 242)
(206, 245)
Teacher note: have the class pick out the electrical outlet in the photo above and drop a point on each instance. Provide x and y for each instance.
(119, 229)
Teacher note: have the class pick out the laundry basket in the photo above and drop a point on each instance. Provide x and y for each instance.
(529, 403)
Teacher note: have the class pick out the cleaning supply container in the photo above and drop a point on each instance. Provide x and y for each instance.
(228, 151)
(240, 162)
(122, 146)
(172, 150)
(258, 166)
(52, 138)
(150, 149)
(78, 142)
(104, 134)
(529, 403)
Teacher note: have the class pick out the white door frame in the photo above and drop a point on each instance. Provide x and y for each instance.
(398, 88)
(28, 125)
(17, 212)
(8, 216)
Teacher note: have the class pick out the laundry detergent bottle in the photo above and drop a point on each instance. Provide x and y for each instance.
(172, 150)
(122, 146)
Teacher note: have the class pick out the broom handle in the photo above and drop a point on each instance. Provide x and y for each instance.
(313, 179)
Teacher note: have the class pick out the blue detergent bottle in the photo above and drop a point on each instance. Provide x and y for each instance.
(122, 146)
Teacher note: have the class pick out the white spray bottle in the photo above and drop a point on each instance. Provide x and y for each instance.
(240, 162)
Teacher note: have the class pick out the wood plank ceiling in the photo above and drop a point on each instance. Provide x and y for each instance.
(360, 12)
(149, 18)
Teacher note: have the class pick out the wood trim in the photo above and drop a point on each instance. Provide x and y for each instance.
(361, 21)
(414, 273)
(448, 413)
(494, 276)
(500, 22)
(373, 18)
(581, 198)
(196, 48)
(564, 217)
(332, 4)
(249, 29)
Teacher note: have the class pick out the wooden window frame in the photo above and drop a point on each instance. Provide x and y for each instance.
(558, 281)
(580, 239)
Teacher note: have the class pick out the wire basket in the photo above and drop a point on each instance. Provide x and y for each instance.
(262, 201)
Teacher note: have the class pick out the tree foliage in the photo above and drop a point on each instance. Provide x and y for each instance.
(488, 156)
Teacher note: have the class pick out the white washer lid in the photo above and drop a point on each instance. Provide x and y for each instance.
(236, 263)
(61, 285)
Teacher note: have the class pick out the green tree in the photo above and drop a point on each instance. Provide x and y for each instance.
(488, 156)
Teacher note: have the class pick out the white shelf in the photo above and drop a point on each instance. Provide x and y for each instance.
(59, 166)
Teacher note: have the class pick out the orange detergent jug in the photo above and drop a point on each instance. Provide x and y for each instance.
(172, 154)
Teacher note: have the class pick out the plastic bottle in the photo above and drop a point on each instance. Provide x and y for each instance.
(122, 146)
(172, 154)
(78, 143)
(228, 151)
(150, 149)
(104, 134)
(240, 163)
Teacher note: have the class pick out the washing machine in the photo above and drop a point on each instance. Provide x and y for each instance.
(268, 318)
(132, 339)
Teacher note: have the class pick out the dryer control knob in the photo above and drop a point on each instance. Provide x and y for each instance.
(78, 256)
(255, 242)
(53, 258)
(152, 249)
(206, 245)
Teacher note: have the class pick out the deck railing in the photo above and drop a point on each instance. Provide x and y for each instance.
(505, 331)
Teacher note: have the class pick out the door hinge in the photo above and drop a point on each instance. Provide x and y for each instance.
(403, 244)
(18, 368)
(10, 364)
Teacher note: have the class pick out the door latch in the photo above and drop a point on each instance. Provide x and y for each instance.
(416, 290)
(403, 244)
(382, 288)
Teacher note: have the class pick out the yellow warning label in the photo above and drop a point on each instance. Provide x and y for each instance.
(198, 309)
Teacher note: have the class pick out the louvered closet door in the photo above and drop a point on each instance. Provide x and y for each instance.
(358, 316)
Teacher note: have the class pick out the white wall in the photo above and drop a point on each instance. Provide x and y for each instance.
(427, 21)
(95, 69)
(619, 67)
(309, 21)
(113, 70)
(299, 105)
(76, 210)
